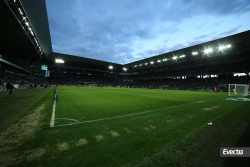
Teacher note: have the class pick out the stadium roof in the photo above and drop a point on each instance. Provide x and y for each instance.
(233, 39)
(37, 13)
(14, 42)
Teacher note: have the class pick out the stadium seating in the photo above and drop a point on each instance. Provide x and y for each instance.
(16, 77)
(80, 79)
(166, 79)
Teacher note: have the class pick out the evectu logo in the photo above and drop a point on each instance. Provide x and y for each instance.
(234, 151)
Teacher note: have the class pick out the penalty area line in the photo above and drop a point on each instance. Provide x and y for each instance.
(129, 114)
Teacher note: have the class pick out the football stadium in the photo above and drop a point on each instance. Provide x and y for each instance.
(90, 104)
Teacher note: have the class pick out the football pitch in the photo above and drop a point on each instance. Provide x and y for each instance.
(122, 127)
(86, 105)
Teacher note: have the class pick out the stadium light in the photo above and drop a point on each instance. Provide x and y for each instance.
(182, 56)
(222, 47)
(228, 46)
(175, 57)
(152, 62)
(32, 32)
(140, 64)
(146, 63)
(195, 53)
(159, 61)
(59, 61)
(136, 65)
(111, 67)
(20, 11)
(209, 50)
(125, 69)
(27, 23)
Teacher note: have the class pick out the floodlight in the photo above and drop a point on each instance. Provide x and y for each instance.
(125, 69)
(146, 63)
(222, 47)
(111, 67)
(182, 56)
(27, 23)
(20, 11)
(152, 62)
(136, 65)
(208, 50)
(14, 0)
(175, 57)
(140, 64)
(228, 46)
(159, 61)
(59, 61)
(195, 53)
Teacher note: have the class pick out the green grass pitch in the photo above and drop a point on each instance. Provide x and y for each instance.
(80, 105)
(141, 122)
(115, 126)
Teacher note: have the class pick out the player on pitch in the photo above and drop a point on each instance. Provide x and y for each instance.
(235, 93)
(215, 90)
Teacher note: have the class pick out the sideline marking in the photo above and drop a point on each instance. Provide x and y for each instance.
(53, 115)
(78, 122)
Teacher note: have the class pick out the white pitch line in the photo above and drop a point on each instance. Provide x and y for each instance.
(53, 115)
(130, 114)
(68, 119)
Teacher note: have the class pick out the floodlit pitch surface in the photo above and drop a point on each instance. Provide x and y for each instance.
(86, 105)
(113, 126)
(121, 126)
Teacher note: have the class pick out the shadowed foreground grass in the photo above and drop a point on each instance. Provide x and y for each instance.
(14, 105)
(173, 131)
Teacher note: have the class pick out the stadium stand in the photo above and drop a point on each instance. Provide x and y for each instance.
(81, 79)
(187, 78)
(16, 76)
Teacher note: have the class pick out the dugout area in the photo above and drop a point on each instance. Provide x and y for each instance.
(177, 134)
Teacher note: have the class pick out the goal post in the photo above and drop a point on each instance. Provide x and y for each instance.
(238, 90)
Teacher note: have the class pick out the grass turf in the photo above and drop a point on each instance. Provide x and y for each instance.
(143, 122)
(14, 105)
